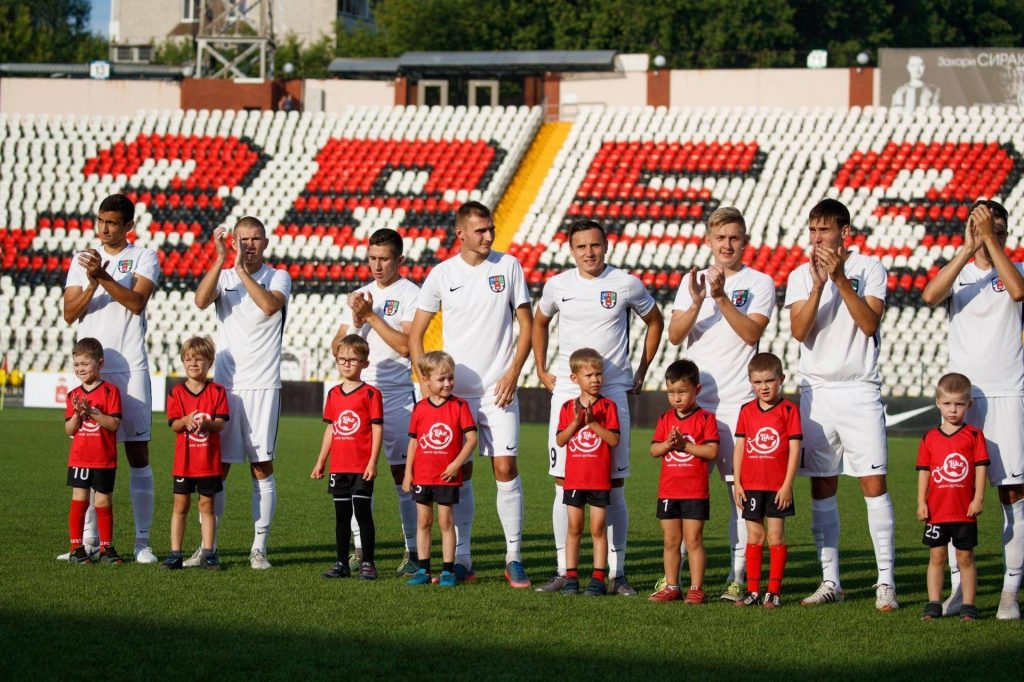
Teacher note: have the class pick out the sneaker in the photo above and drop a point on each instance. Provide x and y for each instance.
(258, 560)
(195, 560)
(92, 551)
(367, 571)
(732, 593)
(885, 598)
(596, 588)
(826, 593)
(515, 574)
(666, 594)
(968, 612)
(79, 556)
(421, 577)
(954, 601)
(771, 601)
(661, 584)
(932, 610)
(752, 599)
(339, 570)
(408, 567)
(210, 563)
(172, 563)
(355, 560)
(109, 555)
(556, 583)
(694, 596)
(144, 555)
(1008, 609)
(464, 575)
(447, 579)
(570, 588)
(621, 587)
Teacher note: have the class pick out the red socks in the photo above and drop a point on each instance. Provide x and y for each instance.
(599, 574)
(105, 525)
(755, 556)
(778, 568)
(754, 559)
(76, 522)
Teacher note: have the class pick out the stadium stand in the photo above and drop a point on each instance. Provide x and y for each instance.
(324, 182)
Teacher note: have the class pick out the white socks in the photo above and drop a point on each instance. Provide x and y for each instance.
(617, 518)
(737, 542)
(463, 513)
(264, 502)
(510, 513)
(560, 526)
(140, 487)
(954, 569)
(882, 526)
(1013, 545)
(407, 511)
(825, 527)
(91, 534)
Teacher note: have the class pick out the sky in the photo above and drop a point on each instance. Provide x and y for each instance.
(99, 20)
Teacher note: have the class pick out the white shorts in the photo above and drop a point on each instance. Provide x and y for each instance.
(844, 431)
(398, 406)
(136, 405)
(1002, 421)
(726, 416)
(251, 432)
(620, 453)
(497, 427)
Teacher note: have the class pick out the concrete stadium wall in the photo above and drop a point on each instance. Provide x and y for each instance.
(338, 94)
(761, 87)
(85, 97)
(613, 89)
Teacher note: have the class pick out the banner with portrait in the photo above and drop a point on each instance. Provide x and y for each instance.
(912, 78)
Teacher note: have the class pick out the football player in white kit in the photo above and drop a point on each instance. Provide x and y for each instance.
(835, 306)
(252, 302)
(106, 293)
(985, 313)
(721, 313)
(382, 313)
(483, 297)
(594, 302)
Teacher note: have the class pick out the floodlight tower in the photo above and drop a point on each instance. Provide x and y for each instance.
(235, 39)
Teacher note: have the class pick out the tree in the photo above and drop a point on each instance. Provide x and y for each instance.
(48, 31)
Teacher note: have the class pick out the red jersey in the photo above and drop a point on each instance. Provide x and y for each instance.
(766, 436)
(439, 431)
(92, 446)
(197, 454)
(683, 476)
(588, 459)
(951, 459)
(351, 416)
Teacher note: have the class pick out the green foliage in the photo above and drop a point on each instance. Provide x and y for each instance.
(175, 52)
(310, 61)
(48, 31)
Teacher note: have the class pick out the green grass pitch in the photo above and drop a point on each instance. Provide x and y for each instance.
(136, 621)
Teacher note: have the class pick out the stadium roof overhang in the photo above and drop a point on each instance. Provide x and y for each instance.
(420, 65)
(120, 71)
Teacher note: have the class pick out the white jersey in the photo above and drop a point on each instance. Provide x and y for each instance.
(985, 333)
(395, 304)
(714, 345)
(595, 313)
(122, 333)
(248, 341)
(479, 306)
(836, 350)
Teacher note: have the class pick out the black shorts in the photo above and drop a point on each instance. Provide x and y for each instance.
(963, 535)
(100, 480)
(580, 498)
(207, 486)
(761, 503)
(346, 485)
(699, 510)
(441, 494)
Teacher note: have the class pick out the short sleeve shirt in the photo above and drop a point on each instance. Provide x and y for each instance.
(395, 305)
(351, 416)
(121, 332)
(93, 446)
(197, 455)
(440, 432)
(684, 476)
(588, 459)
(766, 435)
(951, 460)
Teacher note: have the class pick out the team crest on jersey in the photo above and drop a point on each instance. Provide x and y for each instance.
(346, 424)
(200, 436)
(124, 265)
(764, 442)
(954, 469)
(89, 425)
(497, 283)
(586, 441)
(437, 437)
(390, 307)
(678, 456)
(740, 297)
(998, 286)
(609, 298)
(855, 283)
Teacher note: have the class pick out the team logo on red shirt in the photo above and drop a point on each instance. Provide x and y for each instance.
(89, 425)
(586, 441)
(679, 457)
(998, 286)
(390, 307)
(609, 298)
(200, 436)
(124, 265)
(437, 437)
(954, 469)
(740, 297)
(346, 424)
(764, 442)
(497, 283)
